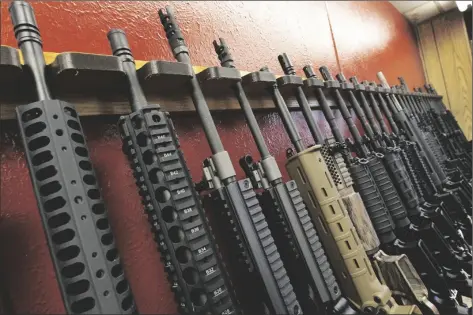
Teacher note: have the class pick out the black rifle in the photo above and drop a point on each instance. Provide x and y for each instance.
(455, 193)
(429, 212)
(177, 219)
(438, 107)
(408, 241)
(236, 202)
(456, 163)
(430, 120)
(300, 247)
(453, 255)
(426, 181)
(81, 244)
(444, 127)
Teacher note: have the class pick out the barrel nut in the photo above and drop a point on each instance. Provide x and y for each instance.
(223, 165)
(271, 168)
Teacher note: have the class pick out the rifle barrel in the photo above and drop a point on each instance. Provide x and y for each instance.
(121, 49)
(181, 53)
(30, 43)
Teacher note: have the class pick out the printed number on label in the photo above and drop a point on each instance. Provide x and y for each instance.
(202, 250)
(167, 154)
(173, 173)
(226, 312)
(210, 271)
(180, 191)
(196, 229)
(218, 291)
(187, 210)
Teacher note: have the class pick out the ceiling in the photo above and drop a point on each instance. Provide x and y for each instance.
(419, 11)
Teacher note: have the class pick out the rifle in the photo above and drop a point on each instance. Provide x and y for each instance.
(192, 262)
(456, 156)
(446, 132)
(80, 240)
(456, 193)
(433, 209)
(381, 260)
(426, 178)
(332, 153)
(411, 112)
(235, 201)
(454, 163)
(302, 253)
(408, 242)
(438, 107)
(429, 212)
(340, 239)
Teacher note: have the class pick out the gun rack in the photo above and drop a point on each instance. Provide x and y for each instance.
(96, 84)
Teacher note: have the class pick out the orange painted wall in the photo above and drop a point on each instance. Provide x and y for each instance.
(357, 37)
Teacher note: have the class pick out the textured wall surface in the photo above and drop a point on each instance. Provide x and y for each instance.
(356, 37)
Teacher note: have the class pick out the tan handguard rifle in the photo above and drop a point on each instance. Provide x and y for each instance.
(340, 239)
(352, 200)
(339, 171)
(301, 250)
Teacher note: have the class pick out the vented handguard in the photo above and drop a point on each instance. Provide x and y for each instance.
(388, 192)
(175, 213)
(352, 200)
(401, 181)
(412, 175)
(340, 239)
(314, 241)
(271, 203)
(374, 204)
(336, 165)
(72, 211)
(420, 169)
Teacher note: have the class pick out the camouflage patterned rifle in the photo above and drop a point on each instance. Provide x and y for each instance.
(356, 210)
(318, 190)
(407, 241)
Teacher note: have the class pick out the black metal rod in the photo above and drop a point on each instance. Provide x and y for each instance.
(181, 53)
(329, 117)
(345, 112)
(360, 113)
(121, 49)
(30, 43)
(226, 60)
(286, 117)
(288, 69)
